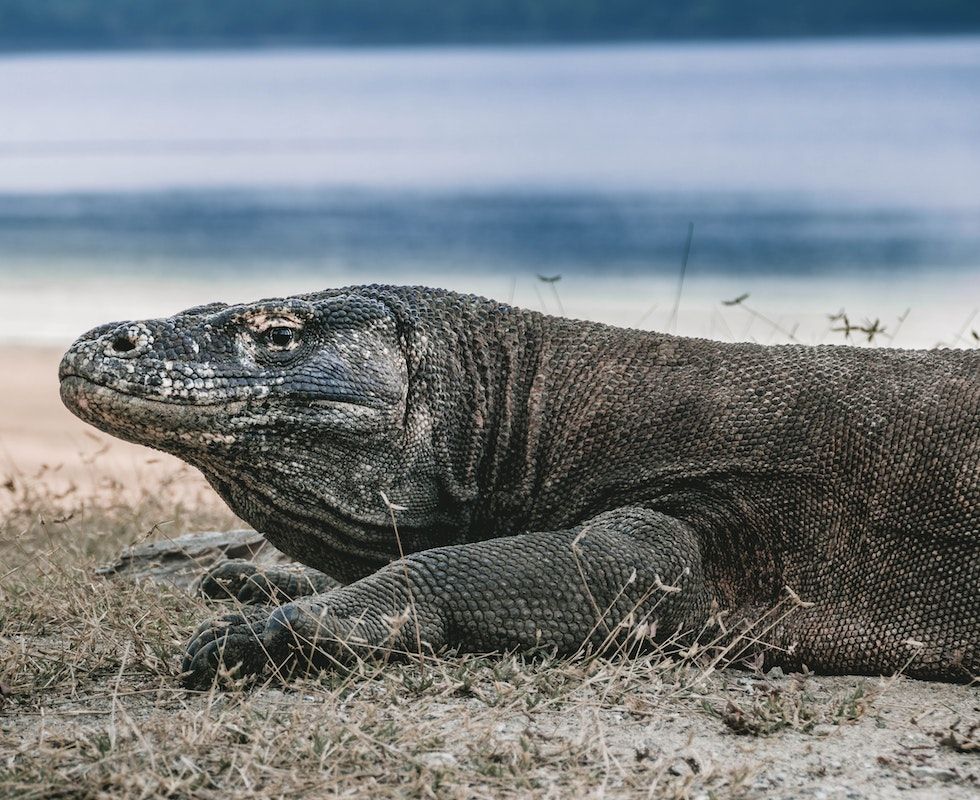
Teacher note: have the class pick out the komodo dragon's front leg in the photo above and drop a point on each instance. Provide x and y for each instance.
(556, 589)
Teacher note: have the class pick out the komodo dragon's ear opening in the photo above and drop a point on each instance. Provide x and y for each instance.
(407, 323)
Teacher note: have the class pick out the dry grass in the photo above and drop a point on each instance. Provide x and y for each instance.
(90, 705)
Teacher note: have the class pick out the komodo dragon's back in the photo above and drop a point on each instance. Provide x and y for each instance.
(558, 482)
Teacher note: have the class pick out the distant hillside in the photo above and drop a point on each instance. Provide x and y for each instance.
(29, 24)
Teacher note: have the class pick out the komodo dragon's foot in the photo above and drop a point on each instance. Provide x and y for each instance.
(247, 582)
(297, 638)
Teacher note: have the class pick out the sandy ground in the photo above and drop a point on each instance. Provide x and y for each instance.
(68, 637)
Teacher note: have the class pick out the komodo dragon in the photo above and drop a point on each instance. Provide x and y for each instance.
(483, 477)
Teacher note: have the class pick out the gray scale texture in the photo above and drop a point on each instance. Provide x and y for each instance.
(483, 477)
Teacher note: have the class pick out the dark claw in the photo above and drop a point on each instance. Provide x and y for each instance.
(232, 643)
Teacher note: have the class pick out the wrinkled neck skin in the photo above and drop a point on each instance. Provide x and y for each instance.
(472, 366)
(555, 417)
(518, 402)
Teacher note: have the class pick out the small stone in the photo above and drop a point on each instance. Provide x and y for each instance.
(438, 760)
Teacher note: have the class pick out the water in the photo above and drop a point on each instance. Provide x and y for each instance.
(818, 175)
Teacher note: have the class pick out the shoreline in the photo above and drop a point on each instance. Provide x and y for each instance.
(917, 312)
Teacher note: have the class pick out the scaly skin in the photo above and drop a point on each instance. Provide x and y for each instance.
(557, 483)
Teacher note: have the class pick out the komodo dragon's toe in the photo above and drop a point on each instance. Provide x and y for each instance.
(229, 647)
(247, 582)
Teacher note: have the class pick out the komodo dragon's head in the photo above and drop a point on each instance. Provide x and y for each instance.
(299, 411)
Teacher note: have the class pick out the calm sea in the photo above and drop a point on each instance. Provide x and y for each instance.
(820, 176)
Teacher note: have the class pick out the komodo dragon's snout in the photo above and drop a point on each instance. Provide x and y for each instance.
(214, 368)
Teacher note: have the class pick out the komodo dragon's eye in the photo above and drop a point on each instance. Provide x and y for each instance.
(280, 336)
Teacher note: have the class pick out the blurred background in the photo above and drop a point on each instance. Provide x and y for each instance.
(768, 170)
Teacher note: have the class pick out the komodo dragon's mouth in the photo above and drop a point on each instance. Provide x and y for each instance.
(145, 420)
(82, 384)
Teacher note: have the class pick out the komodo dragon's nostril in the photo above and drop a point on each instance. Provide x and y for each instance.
(123, 344)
